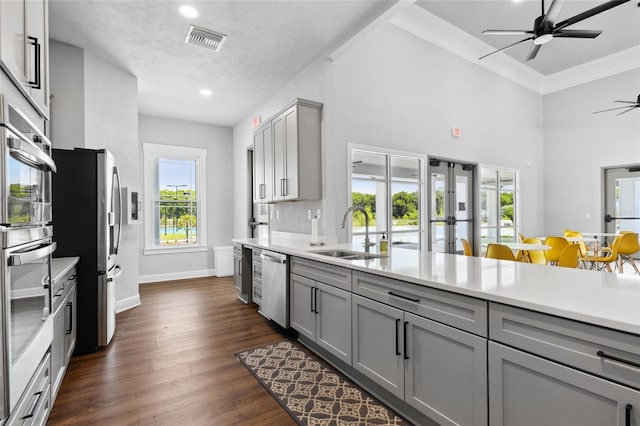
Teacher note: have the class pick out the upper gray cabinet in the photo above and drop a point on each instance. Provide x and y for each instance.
(24, 49)
(287, 154)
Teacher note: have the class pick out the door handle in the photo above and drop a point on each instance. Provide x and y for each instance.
(70, 329)
(31, 255)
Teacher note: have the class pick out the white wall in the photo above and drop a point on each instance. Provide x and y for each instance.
(578, 143)
(393, 89)
(67, 105)
(219, 168)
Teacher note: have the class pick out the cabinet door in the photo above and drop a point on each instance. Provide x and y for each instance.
(377, 343)
(302, 299)
(237, 273)
(291, 165)
(333, 314)
(37, 61)
(12, 38)
(279, 158)
(527, 390)
(58, 360)
(446, 372)
(70, 319)
(263, 165)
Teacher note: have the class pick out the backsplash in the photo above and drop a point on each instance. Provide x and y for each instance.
(294, 217)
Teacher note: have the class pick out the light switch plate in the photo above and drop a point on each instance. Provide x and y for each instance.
(318, 213)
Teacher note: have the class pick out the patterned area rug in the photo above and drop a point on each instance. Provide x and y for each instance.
(311, 391)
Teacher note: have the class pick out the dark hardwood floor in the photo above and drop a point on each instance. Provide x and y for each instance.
(171, 362)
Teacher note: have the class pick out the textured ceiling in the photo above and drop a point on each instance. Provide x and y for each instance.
(621, 27)
(268, 43)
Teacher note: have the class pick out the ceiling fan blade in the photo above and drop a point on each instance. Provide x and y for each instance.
(589, 13)
(554, 10)
(506, 47)
(613, 109)
(627, 102)
(506, 32)
(624, 112)
(533, 51)
(577, 33)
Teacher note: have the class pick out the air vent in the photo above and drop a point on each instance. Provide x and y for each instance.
(206, 38)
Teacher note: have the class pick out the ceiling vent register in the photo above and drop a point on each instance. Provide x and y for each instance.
(199, 36)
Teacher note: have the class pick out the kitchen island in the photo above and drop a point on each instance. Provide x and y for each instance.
(467, 340)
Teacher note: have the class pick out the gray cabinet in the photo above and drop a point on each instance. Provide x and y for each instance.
(242, 272)
(321, 313)
(34, 406)
(24, 49)
(528, 390)
(287, 154)
(437, 369)
(64, 327)
(256, 276)
(263, 164)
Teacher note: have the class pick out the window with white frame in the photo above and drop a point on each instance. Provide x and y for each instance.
(498, 205)
(389, 186)
(174, 181)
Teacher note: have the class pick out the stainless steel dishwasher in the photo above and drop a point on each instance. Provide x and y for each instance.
(275, 287)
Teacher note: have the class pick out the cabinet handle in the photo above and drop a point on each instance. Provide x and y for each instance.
(32, 413)
(315, 304)
(397, 337)
(406, 326)
(627, 415)
(283, 187)
(615, 358)
(261, 191)
(37, 83)
(70, 306)
(404, 297)
(311, 291)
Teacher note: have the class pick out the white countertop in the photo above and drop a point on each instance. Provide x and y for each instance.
(600, 298)
(60, 266)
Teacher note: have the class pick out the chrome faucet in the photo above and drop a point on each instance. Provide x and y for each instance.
(367, 243)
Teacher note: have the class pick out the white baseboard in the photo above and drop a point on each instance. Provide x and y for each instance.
(128, 303)
(143, 279)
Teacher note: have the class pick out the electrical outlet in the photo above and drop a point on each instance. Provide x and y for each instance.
(318, 213)
(309, 214)
(277, 214)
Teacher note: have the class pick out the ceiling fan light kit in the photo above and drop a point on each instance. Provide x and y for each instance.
(545, 27)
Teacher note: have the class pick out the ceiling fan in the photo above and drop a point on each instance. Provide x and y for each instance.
(632, 105)
(545, 27)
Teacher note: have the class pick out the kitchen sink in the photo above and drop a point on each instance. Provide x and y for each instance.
(348, 254)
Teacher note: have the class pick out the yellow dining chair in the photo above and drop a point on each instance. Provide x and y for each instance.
(536, 256)
(584, 251)
(570, 256)
(601, 262)
(466, 247)
(557, 245)
(628, 246)
(499, 251)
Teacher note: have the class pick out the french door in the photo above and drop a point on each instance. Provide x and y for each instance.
(451, 206)
(622, 199)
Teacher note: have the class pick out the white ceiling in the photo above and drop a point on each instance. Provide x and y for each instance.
(620, 25)
(269, 42)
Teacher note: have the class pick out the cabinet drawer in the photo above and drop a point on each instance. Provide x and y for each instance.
(608, 353)
(256, 255)
(329, 274)
(35, 401)
(257, 269)
(465, 313)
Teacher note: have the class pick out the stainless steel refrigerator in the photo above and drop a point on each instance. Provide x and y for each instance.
(87, 222)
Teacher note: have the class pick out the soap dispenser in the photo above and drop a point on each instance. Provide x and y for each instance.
(383, 244)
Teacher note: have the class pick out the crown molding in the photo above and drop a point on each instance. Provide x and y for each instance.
(618, 62)
(436, 30)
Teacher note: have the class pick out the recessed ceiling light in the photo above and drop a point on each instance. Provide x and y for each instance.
(205, 92)
(188, 11)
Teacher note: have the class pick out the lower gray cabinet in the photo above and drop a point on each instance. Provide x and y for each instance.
(528, 390)
(64, 328)
(439, 370)
(321, 313)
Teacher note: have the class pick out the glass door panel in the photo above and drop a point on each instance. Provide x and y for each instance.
(622, 199)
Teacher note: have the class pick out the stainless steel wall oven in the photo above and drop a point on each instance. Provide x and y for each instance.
(26, 245)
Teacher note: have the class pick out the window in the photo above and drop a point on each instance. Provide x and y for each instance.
(498, 205)
(389, 186)
(174, 178)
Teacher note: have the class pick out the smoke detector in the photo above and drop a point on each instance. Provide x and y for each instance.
(203, 37)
